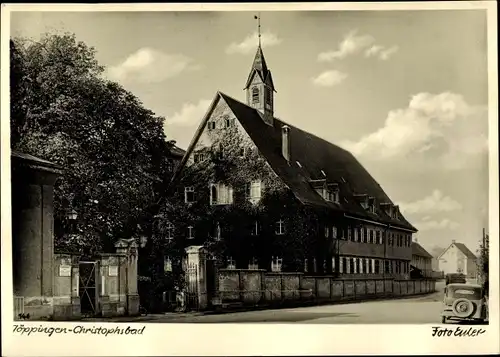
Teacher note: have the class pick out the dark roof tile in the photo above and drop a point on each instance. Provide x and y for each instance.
(314, 154)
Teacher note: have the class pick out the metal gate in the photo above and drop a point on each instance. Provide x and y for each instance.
(88, 288)
(192, 287)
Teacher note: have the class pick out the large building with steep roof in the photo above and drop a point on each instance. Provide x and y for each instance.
(351, 226)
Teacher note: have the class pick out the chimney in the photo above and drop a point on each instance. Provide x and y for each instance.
(453, 241)
(285, 142)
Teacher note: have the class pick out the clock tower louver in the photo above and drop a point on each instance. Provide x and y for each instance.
(259, 86)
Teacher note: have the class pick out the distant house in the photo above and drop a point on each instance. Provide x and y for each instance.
(421, 259)
(457, 258)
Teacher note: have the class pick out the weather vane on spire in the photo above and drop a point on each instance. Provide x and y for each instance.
(257, 17)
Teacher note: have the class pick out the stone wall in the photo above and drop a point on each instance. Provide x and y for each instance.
(259, 287)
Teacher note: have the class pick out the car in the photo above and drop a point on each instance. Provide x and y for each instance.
(455, 278)
(464, 302)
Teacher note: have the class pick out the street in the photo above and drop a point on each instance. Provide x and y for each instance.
(415, 310)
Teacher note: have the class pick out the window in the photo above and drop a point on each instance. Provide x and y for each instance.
(372, 240)
(189, 194)
(221, 194)
(327, 232)
(211, 125)
(241, 152)
(354, 265)
(342, 264)
(231, 264)
(333, 265)
(334, 232)
(228, 122)
(379, 238)
(253, 264)
(377, 266)
(276, 263)
(255, 95)
(254, 191)
(169, 231)
(305, 265)
(167, 264)
(365, 235)
(280, 227)
(331, 196)
(255, 228)
(349, 233)
(190, 232)
(199, 157)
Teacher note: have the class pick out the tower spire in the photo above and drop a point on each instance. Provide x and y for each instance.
(257, 17)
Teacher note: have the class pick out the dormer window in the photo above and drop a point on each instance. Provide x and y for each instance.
(255, 95)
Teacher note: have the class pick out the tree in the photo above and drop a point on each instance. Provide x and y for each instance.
(112, 149)
(483, 261)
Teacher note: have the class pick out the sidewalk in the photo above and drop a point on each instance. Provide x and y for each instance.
(144, 318)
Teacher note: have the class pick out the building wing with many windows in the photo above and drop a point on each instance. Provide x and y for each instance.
(369, 233)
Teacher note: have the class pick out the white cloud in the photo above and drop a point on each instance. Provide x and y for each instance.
(249, 44)
(351, 44)
(149, 65)
(373, 50)
(381, 52)
(190, 114)
(435, 202)
(329, 78)
(427, 224)
(441, 128)
(386, 54)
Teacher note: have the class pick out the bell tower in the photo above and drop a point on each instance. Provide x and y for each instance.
(259, 87)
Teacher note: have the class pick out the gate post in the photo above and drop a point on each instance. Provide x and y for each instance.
(196, 257)
(128, 247)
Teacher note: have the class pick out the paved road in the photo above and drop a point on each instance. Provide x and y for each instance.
(416, 310)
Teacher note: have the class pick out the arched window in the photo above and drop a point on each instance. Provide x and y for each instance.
(255, 95)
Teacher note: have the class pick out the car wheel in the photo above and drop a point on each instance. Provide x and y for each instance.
(443, 320)
(463, 308)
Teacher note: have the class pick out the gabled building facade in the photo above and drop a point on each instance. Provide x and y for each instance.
(457, 258)
(262, 193)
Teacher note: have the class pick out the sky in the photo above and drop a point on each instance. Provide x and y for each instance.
(405, 91)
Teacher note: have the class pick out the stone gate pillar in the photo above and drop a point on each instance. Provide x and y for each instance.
(196, 274)
(128, 248)
(33, 232)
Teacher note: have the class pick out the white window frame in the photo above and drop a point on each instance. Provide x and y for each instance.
(190, 232)
(306, 267)
(189, 189)
(254, 191)
(167, 264)
(327, 232)
(255, 228)
(276, 263)
(341, 265)
(169, 231)
(224, 194)
(333, 264)
(280, 228)
(231, 263)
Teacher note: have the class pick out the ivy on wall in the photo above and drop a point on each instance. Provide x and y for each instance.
(228, 230)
